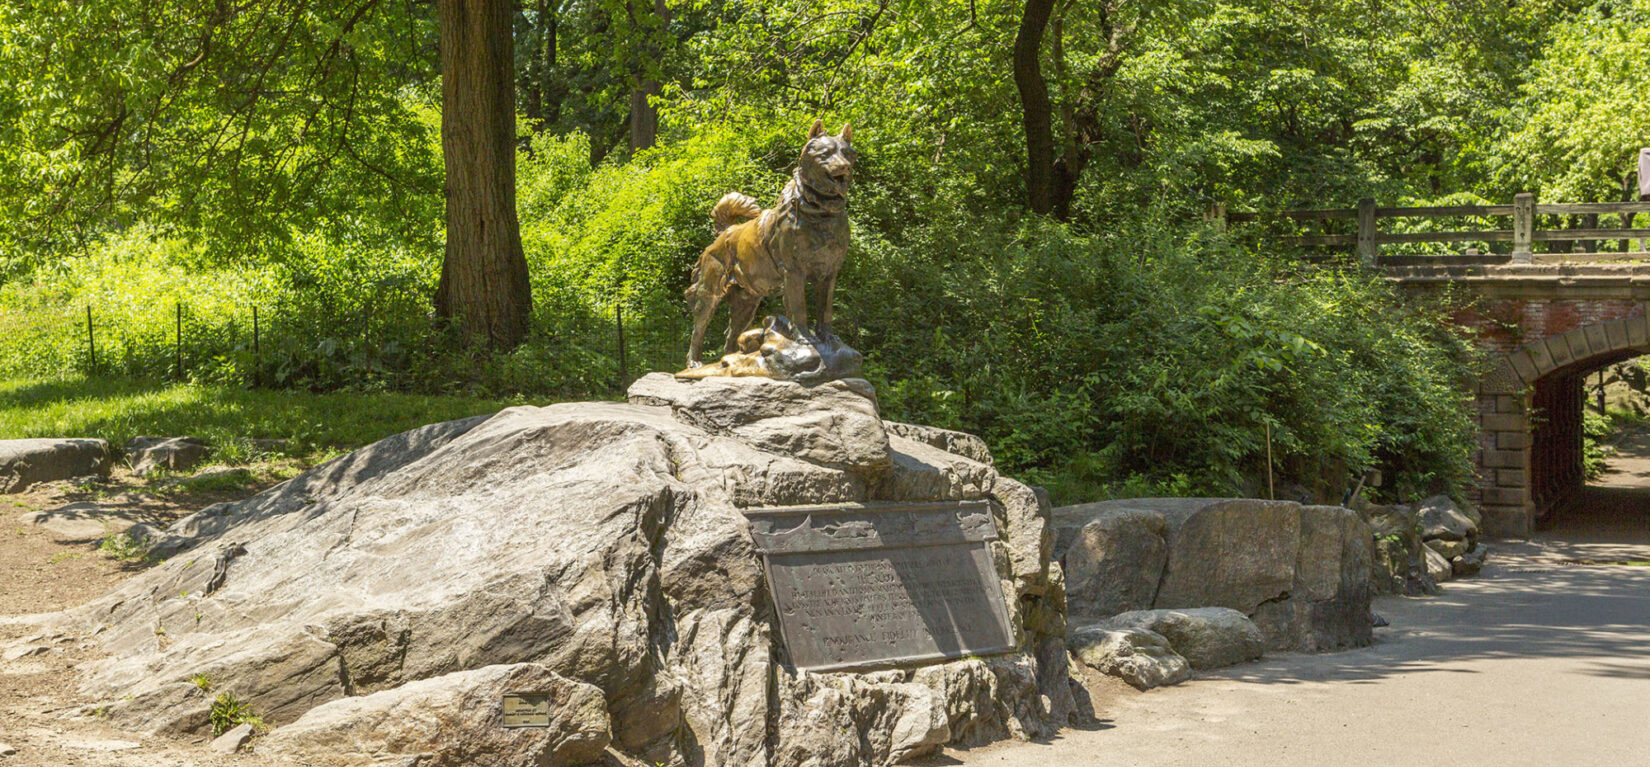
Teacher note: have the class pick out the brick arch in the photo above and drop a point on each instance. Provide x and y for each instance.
(1526, 465)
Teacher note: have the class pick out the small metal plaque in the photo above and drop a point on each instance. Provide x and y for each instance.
(868, 585)
(527, 709)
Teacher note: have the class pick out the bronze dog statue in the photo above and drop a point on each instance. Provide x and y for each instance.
(800, 242)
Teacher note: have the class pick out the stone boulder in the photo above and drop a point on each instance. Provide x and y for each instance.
(1438, 566)
(1470, 563)
(1448, 549)
(1397, 566)
(603, 543)
(958, 443)
(148, 454)
(1207, 637)
(25, 462)
(1113, 563)
(86, 520)
(1440, 519)
(1301, 572)
(834, 424)
(452, 719)
(1140, 657)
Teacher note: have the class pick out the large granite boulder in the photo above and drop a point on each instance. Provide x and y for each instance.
(452, 719)
(25, 462)
(1141, 657)
(1328, 607)
(1207, 637)
(1300, 572)
(598, 544)
(1113, 564)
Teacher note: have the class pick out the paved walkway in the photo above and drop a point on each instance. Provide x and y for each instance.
(1540, 661)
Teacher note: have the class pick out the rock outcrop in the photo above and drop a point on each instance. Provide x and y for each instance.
(1398, 566)
(1141, 657)
(25, 462)
(1301, 573)
(1207, 637)
(452, 719)
(147, 454)
(596, 546)
(1419, 546)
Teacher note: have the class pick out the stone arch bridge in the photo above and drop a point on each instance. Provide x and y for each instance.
(1565, 297)
(1548, 326)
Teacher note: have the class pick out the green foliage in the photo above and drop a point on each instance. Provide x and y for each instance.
(1581, 116)
(1128, 351)
(229, 712)
(1088, 361)
(1595, 452)
(202, 682)
(122, 547)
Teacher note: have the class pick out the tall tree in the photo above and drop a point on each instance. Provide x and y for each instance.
(1036, 112)
(484, 284)
(1051, 180)
(644, 115)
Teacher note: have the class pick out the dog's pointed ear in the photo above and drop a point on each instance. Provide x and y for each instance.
(847, 133)
(817, 130)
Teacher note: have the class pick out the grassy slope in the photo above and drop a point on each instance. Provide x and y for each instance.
(117, 410)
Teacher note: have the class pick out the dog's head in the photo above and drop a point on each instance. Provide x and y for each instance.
(827, 162)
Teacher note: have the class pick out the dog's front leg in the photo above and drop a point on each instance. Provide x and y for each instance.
(824, 296)
(796, 299)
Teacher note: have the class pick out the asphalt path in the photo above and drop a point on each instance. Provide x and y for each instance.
(1542, 660)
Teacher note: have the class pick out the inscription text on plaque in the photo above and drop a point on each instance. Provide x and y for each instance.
(527, 709)
(863, 585)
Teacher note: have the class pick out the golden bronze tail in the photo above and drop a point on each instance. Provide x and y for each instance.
(732, 209)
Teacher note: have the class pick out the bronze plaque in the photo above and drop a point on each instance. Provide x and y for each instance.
(527, 709)
(868, 585)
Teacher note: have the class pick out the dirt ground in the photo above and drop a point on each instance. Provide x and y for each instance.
(40, 572)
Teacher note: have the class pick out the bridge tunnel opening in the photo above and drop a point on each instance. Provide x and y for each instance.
(1557, 474)
(1531, 460)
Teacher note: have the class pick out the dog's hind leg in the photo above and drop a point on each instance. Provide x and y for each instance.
(742, 306)
(702, 298)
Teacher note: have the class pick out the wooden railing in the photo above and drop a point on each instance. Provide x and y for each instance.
(1524, 233)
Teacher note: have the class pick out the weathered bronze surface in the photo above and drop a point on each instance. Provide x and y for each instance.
(869, 585)
(780, 350)
(527, 709)
(798, 244)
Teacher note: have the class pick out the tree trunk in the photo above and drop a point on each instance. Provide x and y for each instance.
(534, 106)
(550, 87)
(1036, 112)
(484, 274)
(644, 117)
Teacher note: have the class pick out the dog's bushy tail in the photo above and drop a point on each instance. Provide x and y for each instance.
(734, 208)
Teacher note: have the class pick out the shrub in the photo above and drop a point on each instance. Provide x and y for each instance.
(1145, 358)
(229, 712)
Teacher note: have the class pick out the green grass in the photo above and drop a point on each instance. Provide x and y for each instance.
(119, 409)
(122, 547)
